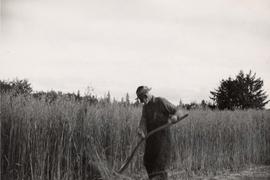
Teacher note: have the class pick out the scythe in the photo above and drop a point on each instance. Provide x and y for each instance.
(124, 166)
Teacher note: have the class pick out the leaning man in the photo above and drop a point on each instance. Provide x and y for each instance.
(156, 112)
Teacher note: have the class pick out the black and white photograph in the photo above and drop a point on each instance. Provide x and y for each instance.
(135, 89)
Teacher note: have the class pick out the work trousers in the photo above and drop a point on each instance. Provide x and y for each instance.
(157, 155)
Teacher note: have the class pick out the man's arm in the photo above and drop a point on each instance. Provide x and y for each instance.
(178, 114)
(174, 112)
(142, 128)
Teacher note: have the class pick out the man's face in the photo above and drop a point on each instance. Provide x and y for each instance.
(144, 98)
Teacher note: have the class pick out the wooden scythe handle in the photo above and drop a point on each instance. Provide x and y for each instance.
(124, 166)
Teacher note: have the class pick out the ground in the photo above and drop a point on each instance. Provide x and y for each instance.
(252, 173)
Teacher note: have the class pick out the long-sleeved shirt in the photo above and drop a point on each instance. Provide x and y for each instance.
(156, 113)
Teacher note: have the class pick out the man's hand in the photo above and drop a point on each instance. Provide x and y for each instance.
(173, 118)
(140, 133)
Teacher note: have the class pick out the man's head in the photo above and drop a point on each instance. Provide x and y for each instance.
(143, 94)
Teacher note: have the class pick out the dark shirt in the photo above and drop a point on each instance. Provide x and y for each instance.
(156, 112)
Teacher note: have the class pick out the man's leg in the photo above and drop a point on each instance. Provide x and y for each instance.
(156, 173)
(161, 175)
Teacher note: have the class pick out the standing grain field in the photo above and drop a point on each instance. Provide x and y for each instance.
(67, 139)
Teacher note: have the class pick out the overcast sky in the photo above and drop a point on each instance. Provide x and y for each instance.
(180, 48)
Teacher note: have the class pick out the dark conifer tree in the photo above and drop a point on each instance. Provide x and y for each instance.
(243, 92)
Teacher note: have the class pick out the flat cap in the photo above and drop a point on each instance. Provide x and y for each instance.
(142, 90)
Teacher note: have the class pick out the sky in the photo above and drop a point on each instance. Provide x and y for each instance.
(181, 49)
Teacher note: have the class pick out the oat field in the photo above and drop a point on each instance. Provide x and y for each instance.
(66, 140)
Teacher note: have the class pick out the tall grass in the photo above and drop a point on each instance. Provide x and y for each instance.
(74, 140)
(211, 141)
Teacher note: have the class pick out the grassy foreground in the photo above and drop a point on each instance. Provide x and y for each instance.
(72, 140)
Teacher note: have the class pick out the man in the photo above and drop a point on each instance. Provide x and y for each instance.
(156, 112)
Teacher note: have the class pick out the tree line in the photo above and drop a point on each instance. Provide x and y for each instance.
(23, 87)
(242, 92)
